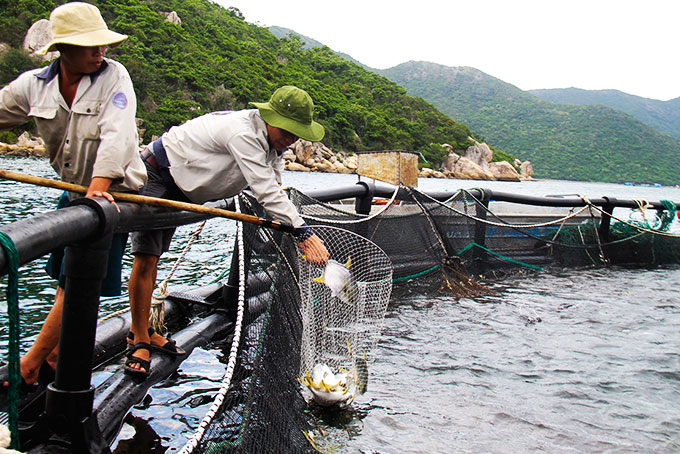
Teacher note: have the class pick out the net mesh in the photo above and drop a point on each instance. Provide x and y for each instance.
(288, 329)
(264, 410)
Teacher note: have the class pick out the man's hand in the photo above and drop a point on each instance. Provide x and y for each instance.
(314, 250)
(98, 187)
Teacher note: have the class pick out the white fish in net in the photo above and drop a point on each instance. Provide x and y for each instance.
(330, 389)
(340, 281)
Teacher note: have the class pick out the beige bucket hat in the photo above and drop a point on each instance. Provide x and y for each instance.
(80, 24)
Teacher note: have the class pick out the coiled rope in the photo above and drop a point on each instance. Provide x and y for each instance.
(226, 381)
(14, 328)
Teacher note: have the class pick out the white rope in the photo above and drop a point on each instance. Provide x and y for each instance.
(501, 224)
(351, 221)
(226, 381)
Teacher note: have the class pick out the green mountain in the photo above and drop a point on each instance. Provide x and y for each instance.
(591, 143)
(307, 42)
(662, 115)
(214, 60)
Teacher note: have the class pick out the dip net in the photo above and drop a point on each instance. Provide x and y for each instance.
(341, 329)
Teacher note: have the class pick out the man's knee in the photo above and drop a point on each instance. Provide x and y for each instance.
(144, 264)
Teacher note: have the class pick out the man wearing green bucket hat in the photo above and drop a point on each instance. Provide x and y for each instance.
(212, 157)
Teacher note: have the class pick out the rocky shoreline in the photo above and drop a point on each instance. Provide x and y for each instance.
(303, 156)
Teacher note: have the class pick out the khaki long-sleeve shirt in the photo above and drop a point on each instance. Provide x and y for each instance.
(219, 154)
(95, 137)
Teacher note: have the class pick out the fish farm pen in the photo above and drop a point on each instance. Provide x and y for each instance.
(268, 310)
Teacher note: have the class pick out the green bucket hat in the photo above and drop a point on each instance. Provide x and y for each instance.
(291, 108)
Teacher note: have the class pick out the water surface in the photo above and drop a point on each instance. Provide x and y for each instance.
(563, 361)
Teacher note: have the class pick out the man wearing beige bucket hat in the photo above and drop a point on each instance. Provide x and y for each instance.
(212, 157)
(84, 106)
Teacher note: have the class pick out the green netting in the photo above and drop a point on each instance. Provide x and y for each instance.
(640, 239)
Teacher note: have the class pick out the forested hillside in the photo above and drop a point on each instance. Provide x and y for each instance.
(592, 143)
(215, 60)
(661, 115)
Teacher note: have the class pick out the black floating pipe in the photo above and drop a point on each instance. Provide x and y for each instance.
(329, 195)
(68, 401)
(605, 222)
(116, 395)
(362, 204)
(385, 190)
(40, 234)
(551, 201)
(134, 217)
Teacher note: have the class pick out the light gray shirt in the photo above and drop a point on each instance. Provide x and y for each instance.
(217, 155)
(95, 137)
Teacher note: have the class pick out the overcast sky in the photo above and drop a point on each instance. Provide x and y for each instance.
(628, 45)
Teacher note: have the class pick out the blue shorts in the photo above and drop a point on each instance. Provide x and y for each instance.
(111, 285)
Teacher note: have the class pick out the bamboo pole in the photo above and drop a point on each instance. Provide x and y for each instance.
(155, 201)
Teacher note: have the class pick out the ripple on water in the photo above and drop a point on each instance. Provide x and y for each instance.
(564, 361)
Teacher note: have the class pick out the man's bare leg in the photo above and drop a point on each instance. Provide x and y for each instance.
(140, 289)
(46, 344)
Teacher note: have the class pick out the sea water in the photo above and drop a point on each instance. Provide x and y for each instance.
(564, 361)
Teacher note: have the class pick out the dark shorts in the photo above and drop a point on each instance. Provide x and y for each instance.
(111, 285)
(155, 242)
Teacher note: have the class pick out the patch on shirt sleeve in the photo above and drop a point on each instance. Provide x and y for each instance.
(120, 100)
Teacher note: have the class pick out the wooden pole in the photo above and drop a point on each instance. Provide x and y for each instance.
(155, 201)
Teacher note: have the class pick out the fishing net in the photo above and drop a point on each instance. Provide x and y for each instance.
(290, 322)
(293, 322)
(342, 318)
(440, 243)
(262, 408)
(640, 238)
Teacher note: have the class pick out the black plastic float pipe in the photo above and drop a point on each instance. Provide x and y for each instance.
(121, 391)
(134, 217)
(69, 399)
(363, 203)
(156, 201)
(42, 233)
(550, 201)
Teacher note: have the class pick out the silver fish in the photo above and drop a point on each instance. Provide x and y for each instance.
(340, 281)
(330, 389)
